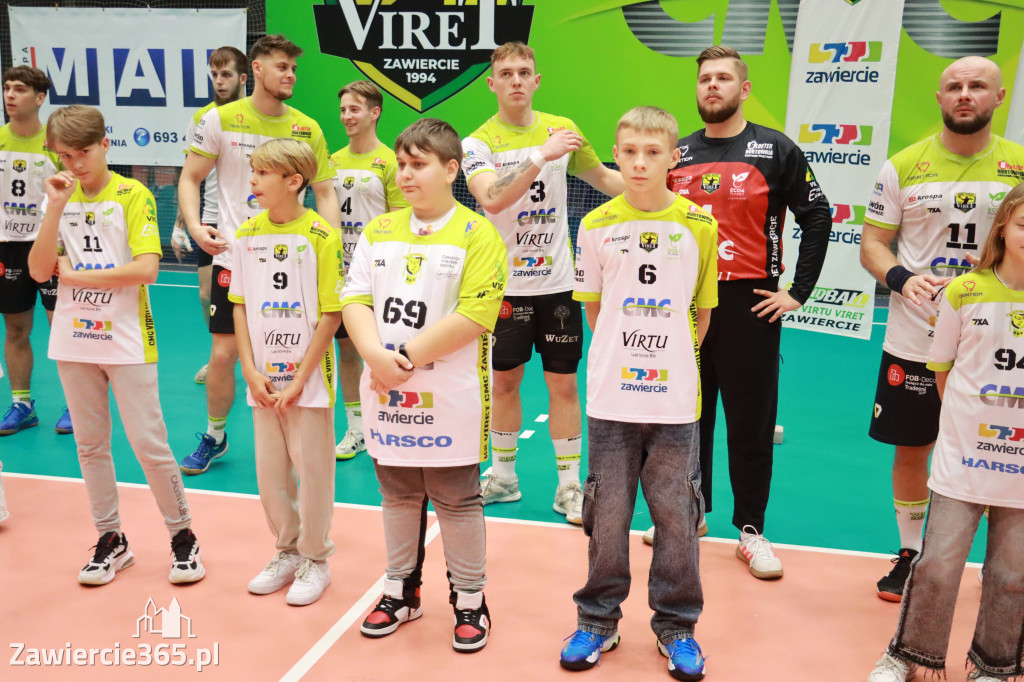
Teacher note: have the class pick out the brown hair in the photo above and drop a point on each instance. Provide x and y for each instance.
(30, 76)
(76, 126)
(431, 136)
(274, 43)
(650, 120)
(724, 52)
(286, 156)
(367, 90)
(515, 48)
(995, 247)
(222, 55)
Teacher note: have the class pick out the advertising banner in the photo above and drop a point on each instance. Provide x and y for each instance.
(840, 99)
(145, 69)
(1015, 120)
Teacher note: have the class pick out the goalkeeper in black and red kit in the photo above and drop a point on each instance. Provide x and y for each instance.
(746, 175)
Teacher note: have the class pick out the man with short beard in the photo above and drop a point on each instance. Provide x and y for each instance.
(937, 198)
(746, 175)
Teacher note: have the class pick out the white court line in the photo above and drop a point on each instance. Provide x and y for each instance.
(541, 418)
(369, 597)
(526, 434)
(177, 286)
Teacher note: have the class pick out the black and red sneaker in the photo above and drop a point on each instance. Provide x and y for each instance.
(472, 622)
(890, 588)
(397, 606)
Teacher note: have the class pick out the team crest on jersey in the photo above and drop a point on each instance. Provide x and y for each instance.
(709, 182)
(90, 218)
(1016, 322)
(20, 165)
(648, 241)
(965, 201)
(413, 265)
(420, 51)
(280, 251)
(349, 182)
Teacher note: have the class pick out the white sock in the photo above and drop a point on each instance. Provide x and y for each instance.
(354, 414)
(504, 446)
(23, 397)
(910, 520)
(567, 458)
(215, 427)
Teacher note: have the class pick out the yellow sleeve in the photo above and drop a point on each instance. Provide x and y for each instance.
(484, 276)
(395, 198)
(141, 225)
(324, 162)
(330, 272)
(706, 294)
(584, 158)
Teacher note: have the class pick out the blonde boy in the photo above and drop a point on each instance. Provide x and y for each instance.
(100, 234)
(422, 296)
(643, 392)
(286, 286)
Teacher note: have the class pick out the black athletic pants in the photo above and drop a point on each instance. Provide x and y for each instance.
(740, 359)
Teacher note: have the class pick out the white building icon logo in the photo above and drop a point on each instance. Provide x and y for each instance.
(164, 622)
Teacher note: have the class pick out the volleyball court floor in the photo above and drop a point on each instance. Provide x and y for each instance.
(830, 520)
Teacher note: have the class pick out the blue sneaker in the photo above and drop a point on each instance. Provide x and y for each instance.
(19, 417)
(584, 649)
(685, 660)
(64, 423)
(206, 452)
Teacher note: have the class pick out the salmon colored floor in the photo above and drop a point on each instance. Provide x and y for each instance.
(822, 621)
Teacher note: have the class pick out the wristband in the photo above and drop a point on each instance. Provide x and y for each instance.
(897, 277)
(537, 159)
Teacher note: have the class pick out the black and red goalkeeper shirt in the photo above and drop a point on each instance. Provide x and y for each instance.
(747, 182)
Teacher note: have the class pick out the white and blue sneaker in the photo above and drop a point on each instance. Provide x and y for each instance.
(685, 660)
(207, 451)
(19, 416)
(583, 649)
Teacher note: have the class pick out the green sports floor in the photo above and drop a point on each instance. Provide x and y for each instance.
(831, 486)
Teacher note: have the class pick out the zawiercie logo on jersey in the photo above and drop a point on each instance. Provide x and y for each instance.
(1016, 322)
(280, 251)
(420, 51)
(349, 183)
(413, 264)
(709, 182)
(965, 201)
(648, 241)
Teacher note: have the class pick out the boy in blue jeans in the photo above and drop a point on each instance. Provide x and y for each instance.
(646, 270)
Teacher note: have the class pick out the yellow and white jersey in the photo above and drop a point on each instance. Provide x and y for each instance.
(943, 205)
(536, 227)
(365, 184)
(441, 415)
(25, 163)
(230, 134)
(650, 272)
(979, 340)
(287, 275)
(210, 213)
(106, 326)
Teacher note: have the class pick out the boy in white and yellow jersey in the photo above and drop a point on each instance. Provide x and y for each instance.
(286, 287)
(100, 235)
(420, 301)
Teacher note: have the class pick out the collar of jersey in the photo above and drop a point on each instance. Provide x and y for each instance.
(347, 149)
(80, 195)
(520, 129)
(956, 158)
(247, 103)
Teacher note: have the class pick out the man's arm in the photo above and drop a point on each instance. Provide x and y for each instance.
(143, 269)
(42, 258)
(878, 259)
(449, 334)
(604, 180)
(327, 202)
(260, 385)
(593, 309)
(388, 367)
(195, 170)
(322, 339)
(703, 321)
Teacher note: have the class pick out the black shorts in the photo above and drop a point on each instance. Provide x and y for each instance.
(551, 322)
(17, 288)
(907, 403)
(222, 311)
(342, 333)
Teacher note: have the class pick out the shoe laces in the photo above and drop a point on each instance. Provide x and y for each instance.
(758, 544)
(900, 558)
(275, 564)
(685, 648)
(105, 546)
(582, 639)
(182, 545)
(890, 663)
(303, 571)
(18, 410)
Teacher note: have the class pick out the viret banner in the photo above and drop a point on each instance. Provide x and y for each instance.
(841, 85)
(1015, 121)
(145, 69)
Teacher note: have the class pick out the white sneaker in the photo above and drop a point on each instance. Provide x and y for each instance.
(351, 445)
(569, 502)
(702, 530)
(495, 489)
(892, 669)
(311, 579)
(757, 552)
(200, 377)
(275, 575)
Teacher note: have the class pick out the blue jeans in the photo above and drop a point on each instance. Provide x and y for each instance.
(663, 458)
(926, 614)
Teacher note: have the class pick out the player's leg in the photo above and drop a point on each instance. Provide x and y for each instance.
(350, 369)
(559, 341)
(205, 274)
(17, 303)
(906, 415)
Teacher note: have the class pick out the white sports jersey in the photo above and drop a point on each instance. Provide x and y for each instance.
(106, 326)
(230, 134)
(536, 227)
(365, 184)
(287, 275)
(650, 271)
(210, 187)
(979, 340)
(943, 205)
(25, 163)
(441, 415)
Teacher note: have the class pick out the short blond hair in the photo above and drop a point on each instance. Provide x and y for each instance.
(367, 90)
(516, 48)
(650, 120)
(286, 156)
(724, 52)
(76, 126)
